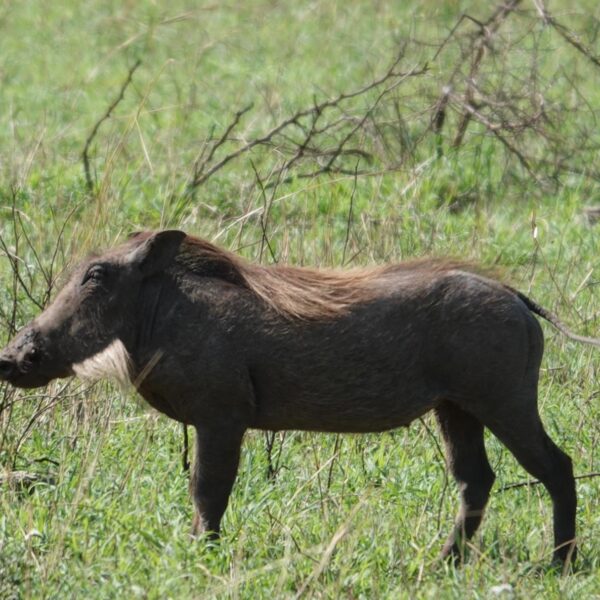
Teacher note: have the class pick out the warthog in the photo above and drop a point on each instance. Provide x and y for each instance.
(225, 345)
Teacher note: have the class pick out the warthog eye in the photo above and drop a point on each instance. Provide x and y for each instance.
(33, 355)
(95, 273)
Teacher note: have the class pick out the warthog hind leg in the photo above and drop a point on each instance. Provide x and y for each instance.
(467, 460)
(524, 435)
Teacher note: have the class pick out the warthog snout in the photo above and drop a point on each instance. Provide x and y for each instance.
(20, 361)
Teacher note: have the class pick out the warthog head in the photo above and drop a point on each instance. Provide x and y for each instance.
(95, 309)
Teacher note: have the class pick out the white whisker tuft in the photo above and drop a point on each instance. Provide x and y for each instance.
(113, 362)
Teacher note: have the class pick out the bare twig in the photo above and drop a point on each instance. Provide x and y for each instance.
(202, 161)
(305, 147)
(350, 215)
(85, 154)
(476, 52)
(499, 132)
(565, 33)
(42, 408)
(185, 461)
(264, 217)
(442, 462)
(532, 482)
(336, 452)
(273, 466)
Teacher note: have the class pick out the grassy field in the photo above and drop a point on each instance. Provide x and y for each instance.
(349, 517)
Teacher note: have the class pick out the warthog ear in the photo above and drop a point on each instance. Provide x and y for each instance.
(157, 252)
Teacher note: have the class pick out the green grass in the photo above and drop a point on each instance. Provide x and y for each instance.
(362, 520)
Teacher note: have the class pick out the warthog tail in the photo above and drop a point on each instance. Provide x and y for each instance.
(534, 307)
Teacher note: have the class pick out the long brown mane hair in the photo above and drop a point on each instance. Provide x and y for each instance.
(300, 292)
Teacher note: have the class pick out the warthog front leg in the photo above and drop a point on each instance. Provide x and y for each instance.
(215, 468)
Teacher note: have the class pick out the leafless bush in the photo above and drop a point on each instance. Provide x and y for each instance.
(495, 90)
(328, 137)
(519, 107)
